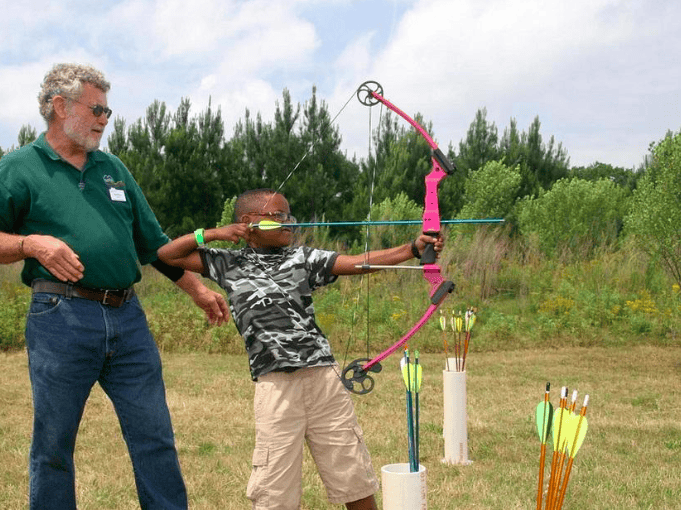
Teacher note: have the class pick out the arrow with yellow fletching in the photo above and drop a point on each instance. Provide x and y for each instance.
(443, 327)
(562, 444)
(576, 431)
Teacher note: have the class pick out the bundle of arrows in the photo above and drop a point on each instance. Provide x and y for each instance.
(461, 325)
(412, 376)
(567, 430)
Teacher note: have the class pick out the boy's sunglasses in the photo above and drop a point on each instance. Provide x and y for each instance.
(97, 109)
(278, 216)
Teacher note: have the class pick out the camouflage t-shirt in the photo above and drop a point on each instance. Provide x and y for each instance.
(270, 296)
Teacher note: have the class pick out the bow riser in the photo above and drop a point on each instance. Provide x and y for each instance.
(431, 210)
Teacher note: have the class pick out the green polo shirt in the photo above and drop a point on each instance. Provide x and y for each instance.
(100, 212)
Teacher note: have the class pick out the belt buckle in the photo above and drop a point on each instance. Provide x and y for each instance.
(106, 295)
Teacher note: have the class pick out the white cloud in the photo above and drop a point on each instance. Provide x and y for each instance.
(258, 32)
(490, 50)
(181, 30)
(19, 89)
(258, 96)
(602, 75)
(448, 59)
(20, 24)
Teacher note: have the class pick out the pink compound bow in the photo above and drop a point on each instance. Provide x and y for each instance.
(355, 375)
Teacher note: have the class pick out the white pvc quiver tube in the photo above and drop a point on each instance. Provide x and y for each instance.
(455, 429)
(403, 490)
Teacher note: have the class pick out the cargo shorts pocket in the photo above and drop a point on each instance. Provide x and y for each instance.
(363, 455)
(256, 490)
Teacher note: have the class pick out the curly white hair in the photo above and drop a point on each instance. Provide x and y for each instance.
(67, 80)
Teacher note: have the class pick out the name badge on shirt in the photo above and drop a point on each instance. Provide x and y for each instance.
(117, 195)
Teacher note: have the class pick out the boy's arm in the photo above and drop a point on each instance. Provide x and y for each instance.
(347, 264)
(183, 251)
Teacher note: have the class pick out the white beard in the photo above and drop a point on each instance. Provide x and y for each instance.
(74, 131)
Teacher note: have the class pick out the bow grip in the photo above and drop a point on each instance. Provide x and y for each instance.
(429, 256)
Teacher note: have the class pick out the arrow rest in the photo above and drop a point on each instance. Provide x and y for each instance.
(354, 375)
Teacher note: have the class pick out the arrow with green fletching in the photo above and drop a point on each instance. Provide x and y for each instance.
(544, 417)
(559, 418)
(457, 325)
(412, 375)
(469, 322)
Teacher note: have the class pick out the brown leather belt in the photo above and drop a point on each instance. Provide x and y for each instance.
(114, 298)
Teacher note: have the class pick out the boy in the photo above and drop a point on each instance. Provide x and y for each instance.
(299, 395)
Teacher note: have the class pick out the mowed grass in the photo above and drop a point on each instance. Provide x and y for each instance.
(631, 458)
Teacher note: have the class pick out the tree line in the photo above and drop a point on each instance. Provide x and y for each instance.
(190, 169)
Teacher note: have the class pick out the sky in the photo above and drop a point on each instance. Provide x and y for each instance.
(603, 76)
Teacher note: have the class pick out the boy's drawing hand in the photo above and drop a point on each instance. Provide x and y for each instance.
(233, 232)
(438, 243)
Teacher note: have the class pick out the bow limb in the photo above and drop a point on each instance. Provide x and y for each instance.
(432, 308)
(356, 376)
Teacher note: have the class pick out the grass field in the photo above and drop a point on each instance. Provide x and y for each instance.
(631, 458)
(607, 326)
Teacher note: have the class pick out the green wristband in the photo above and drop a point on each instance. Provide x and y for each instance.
(198, 234)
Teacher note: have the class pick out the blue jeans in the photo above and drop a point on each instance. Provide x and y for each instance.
(73, 343)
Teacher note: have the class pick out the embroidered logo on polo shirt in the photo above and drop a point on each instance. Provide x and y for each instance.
(116, 189)
(108, 180)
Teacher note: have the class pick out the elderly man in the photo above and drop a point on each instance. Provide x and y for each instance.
(78, 219)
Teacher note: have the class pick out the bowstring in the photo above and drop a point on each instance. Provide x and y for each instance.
(307, 153)
(313, 144)
(367, 244)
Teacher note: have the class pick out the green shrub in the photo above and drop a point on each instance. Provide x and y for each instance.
(655, 214)
(491, 191)
(15, 300)
(575, 217)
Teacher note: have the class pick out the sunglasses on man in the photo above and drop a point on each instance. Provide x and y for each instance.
(97, 109)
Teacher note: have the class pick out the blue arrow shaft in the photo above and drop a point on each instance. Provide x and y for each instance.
(390, 222)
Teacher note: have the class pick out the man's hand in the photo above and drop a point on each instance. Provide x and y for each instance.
(55, 255)
(211, 302)
(214, 304)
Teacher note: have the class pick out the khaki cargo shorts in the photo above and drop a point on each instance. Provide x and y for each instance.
(309, 405)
